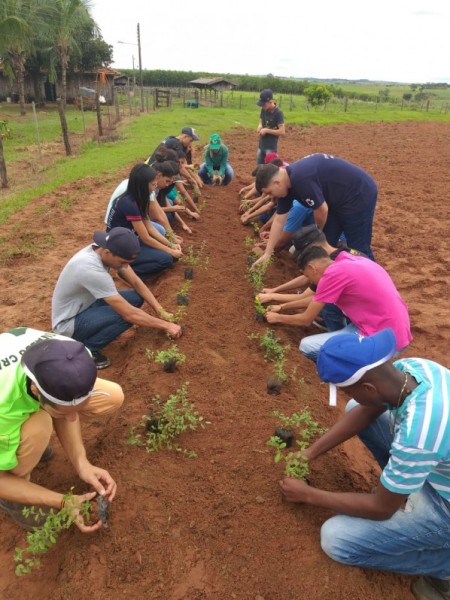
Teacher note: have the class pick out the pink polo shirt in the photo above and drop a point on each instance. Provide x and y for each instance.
(366, 295)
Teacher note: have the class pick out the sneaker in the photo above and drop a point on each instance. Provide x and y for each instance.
(46, 455)
(430, 588)
(320, 324)
(14, 511)
(101, 361)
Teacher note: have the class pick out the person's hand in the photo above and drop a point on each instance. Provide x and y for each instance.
(264, 235)
(265, 297)
(245, 219)
(294, 490)
(178, 240)
(276, 308)
(99, 479)
(272, 316)
(192, 214)
(269, 290)
(175, 252)
(264, 258)
(263, 131)
(74, 507)
(179, 208)
(174, 330)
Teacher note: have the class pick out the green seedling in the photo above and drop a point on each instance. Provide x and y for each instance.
(255, 226)
(259, 306)
(295, 462)
(41, 539)
(273, 350)
(194, 258)
(168, 358)
(174, 417)
(177, 316)
(249, 242)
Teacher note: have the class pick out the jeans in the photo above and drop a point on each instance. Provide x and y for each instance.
(150, 261)
(228, 175)
(414, 541)
(100, 324)
(310, 346)
(334, 318)
(357, 228)
(261, 155)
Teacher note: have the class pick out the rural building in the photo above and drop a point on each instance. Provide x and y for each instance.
(211, 87)
(39, 88)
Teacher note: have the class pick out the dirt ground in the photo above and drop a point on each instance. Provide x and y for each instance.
(215, 527)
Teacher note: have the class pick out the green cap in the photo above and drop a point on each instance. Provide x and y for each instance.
(215, 142)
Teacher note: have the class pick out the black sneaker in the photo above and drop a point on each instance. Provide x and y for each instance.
(430, 588)
(101, 361)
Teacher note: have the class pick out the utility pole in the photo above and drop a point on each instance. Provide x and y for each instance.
(140, 67)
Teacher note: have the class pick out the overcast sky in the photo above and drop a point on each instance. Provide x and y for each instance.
(389, 40)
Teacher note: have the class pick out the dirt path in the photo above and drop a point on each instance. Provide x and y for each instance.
(215, 527)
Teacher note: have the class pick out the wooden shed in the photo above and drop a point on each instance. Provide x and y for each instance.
(212, 86)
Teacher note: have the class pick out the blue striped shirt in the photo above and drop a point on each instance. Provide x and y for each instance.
(421, 447)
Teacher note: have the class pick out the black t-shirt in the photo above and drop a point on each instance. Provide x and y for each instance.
(270, 120)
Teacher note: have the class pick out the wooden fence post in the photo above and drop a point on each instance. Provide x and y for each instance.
(3, 174)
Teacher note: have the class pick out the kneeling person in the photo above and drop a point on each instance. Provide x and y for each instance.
(46, 382)
(86, 304)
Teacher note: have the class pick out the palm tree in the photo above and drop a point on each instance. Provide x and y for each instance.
(18, 20)
(68, 18)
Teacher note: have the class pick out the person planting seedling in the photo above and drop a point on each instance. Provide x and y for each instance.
(216, 170)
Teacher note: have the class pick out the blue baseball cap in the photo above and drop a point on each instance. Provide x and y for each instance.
(345, 358)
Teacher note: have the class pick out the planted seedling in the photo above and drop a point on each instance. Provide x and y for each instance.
(260, 310)
(168, 358)
(41, 539)
(170, 419)
(194, 258)
(183, 296)
(249, 242)
(195, 193)
(256, 228)
(295, 462)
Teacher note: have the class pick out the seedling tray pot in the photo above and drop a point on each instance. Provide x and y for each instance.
(189, 273)
(182, 299)
(273, 386)
(286, 435)
(170, 365)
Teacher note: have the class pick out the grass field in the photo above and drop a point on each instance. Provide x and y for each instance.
(136, 136)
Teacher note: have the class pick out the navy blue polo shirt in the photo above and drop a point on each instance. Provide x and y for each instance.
(319, 178)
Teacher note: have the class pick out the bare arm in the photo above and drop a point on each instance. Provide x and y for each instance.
(320, 215)
(302, 319)
(379, 506)
(144, 235)
(183, 191)
(139, 317)
(297, 282)
(275, 233)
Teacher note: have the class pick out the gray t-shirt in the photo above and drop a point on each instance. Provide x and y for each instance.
(83, 280)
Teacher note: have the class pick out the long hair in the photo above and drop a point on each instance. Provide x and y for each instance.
(140, 176)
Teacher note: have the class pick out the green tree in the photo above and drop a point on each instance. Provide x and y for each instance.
(69, 18)
(19, 19)
(318, 94)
